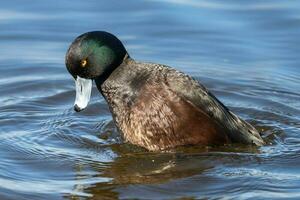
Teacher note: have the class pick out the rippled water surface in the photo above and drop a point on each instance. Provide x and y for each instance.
(245, 52)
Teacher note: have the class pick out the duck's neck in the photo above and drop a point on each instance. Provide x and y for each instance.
(116, 89)
(115, 86)
(101, 79)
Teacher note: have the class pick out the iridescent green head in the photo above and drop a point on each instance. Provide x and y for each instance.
(92, 55)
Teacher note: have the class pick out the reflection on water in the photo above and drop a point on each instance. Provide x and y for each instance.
(246, 53)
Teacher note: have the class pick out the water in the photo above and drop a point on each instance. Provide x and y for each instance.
(245, 52)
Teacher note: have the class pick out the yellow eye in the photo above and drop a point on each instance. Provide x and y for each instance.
(83, 63)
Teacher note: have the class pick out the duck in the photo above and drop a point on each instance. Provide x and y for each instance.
(154, 106)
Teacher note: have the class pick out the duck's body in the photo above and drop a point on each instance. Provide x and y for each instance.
(157, 107)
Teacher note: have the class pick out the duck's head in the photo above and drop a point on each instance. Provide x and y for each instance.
(92, 55)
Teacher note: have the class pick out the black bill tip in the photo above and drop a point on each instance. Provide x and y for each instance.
(77, 108)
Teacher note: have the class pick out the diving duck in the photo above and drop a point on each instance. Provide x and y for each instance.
(154, 106)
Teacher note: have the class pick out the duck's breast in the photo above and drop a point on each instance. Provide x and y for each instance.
(160, 119)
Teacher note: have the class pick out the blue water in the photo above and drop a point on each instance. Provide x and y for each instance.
(245, 52)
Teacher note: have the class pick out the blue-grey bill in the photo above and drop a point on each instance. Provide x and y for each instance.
(83, 93)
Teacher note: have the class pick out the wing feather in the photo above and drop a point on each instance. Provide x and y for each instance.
(190, 89)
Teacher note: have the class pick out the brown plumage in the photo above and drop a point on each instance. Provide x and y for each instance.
(160, 119)
(153, 105)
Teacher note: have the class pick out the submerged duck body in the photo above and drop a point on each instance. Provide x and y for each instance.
(153, 105)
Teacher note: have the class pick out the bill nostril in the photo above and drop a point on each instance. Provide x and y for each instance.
(77, 108)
